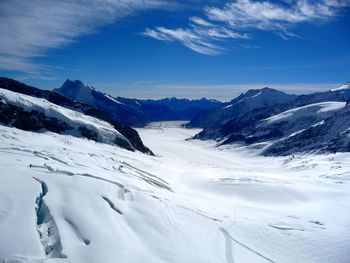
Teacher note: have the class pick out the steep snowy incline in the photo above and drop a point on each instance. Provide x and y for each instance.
(105, 132)
(66, 199)
(346, 86)
(317, 109)
(330, 135)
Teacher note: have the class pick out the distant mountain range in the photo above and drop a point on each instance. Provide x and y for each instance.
(280, 123)
(136, 112)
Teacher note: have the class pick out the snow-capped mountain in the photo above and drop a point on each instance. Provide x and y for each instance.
(259, 98)
(136, 112)
(272, 125)
(286, 123)
(252, 99)
(78, 91)
(33, 109)
(247, 102)
(122, 112)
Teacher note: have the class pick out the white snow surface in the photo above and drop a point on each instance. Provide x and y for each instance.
(113, 99)
(343, 87)
(75, 119)
(316, 109)
(192, 202)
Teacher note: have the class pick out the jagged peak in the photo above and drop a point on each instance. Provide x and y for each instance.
(75, 84)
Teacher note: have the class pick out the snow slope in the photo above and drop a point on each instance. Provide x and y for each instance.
(331, 134)
(346, 86)
(307, 111)
(105, 131)
(65, 199)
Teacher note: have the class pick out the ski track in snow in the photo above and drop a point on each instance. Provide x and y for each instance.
(229, 252)
(106, 204)
(228, 246)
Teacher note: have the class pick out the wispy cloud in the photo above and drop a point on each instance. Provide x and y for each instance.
(29, 29)
(236, 18)
(196, 37)
(244, 14)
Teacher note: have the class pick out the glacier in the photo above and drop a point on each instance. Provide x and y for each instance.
(69, 199)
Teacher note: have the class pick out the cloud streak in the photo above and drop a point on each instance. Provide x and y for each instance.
(29, 29)
(236, 18)
(196, 37)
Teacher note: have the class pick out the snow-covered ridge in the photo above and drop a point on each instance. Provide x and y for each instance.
(330, 135)
(112, 99)
(346, 86)
(105, 131)
(307, 111)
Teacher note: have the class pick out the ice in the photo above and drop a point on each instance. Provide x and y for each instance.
(192, 202)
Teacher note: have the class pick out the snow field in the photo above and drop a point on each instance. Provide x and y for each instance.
(190, 203)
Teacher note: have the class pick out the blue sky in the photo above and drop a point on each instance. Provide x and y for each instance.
(160, 48)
